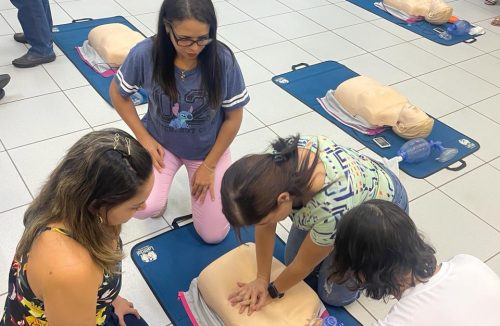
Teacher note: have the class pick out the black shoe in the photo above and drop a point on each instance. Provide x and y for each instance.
(31, 60)
(4, 80)
(2, 93)
(19, 37)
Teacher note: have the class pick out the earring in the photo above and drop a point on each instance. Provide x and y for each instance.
(100, 219)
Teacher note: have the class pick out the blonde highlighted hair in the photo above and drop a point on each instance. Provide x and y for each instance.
(101, 170)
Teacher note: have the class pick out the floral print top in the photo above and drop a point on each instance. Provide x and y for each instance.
(23, 308)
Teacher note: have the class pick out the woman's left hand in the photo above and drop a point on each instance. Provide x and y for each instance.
(124, 307)
(203, 182)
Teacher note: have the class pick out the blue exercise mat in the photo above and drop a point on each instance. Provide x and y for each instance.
(312, 82)
(422, 27)
(69, 36)
(181, 256)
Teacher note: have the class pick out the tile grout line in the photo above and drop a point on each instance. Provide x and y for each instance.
(77, 110)
(467, 209)
(46, 139)
(21, 176)
(13, 208)
(145, 236)
(492, 257)
(483, 163)
(366, 309)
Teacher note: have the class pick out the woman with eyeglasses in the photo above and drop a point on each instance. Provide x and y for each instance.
(196, 96)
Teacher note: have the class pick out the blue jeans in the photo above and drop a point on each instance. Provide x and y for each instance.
(400, 195)
(336, 294)
(333, 294)
(36, 21)
(130, 320)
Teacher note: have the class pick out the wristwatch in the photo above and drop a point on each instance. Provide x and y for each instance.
(273, 291)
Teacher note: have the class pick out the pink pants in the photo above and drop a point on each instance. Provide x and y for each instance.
(208, 219)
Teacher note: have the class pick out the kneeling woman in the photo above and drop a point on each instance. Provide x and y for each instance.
(314, 181)
(379, 246)
(67, 267)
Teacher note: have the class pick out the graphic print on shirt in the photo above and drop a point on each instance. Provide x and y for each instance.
(182, 117)
(190, 112)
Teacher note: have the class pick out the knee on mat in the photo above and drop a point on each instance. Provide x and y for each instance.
(337, 300)
(212, 237)
(150, 211)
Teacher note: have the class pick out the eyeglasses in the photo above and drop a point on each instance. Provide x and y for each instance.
(186, 41)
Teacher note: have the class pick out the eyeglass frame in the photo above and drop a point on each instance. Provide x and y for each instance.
(192, 41)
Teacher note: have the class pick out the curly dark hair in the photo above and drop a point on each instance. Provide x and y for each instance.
(379, 246)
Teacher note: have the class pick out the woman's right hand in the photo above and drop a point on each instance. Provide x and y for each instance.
(251, 295)
(155, 150)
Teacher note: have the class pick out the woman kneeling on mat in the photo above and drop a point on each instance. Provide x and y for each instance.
(378, 245)
(314, 181)
(71, 245)
(196, 95)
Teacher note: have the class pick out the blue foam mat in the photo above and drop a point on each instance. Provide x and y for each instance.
(311, 82)
(181, 256)
(69, 36)
(422, 27)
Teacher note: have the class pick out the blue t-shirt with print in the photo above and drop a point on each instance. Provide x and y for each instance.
(188, 128)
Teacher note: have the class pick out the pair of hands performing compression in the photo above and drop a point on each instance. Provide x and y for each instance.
(203, 179)
(251, 296)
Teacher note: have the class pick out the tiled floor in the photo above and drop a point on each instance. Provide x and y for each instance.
(47, 108)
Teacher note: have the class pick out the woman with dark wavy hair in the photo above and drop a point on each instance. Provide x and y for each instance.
(379, 246)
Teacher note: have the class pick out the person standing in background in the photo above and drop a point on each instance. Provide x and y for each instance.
(36, 20)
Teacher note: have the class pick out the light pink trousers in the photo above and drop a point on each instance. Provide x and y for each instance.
(208, 219)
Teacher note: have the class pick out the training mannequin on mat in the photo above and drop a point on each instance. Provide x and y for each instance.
(300, 305)
(366, 105)
(433, 11)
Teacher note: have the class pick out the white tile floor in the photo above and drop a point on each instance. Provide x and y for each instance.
(47, 108)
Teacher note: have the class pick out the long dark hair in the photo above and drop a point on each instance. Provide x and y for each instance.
(251, 185)
(379, 246)
(164, 52)
(97, 172)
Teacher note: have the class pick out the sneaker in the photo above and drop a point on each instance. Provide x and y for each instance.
(19, 37)
(32, 60)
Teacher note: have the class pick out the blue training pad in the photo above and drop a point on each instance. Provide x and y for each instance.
(182, 255)
(69, 36)
(309, 83)
(422, 27)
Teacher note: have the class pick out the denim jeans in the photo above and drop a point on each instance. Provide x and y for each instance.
(331, 293)
(36, 21)
(130, 320)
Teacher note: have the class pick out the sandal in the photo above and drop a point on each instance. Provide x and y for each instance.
(490, 2)
(496, 21)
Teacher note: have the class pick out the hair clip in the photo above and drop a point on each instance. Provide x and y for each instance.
(116, 142)
(278, 157)
(127, 141)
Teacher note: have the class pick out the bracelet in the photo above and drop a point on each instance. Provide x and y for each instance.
(207, 167)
